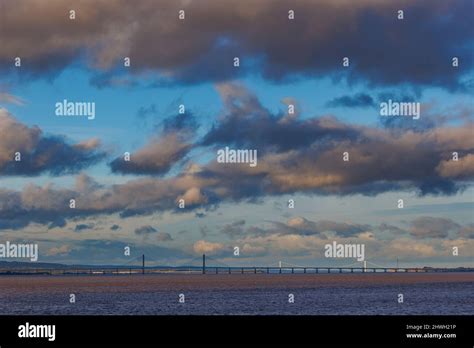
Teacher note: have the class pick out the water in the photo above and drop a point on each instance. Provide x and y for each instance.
(362, 294)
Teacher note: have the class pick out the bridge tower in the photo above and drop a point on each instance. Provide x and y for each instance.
(203, 263)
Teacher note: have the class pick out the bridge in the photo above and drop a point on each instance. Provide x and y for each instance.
(209, 265)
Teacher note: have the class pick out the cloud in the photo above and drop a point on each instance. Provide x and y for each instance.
(249, 250)
(204, 230)
(358, 100)
(465, 248)
(164, 150)
(114, 227)
(247, 124)
(59, 222)
(202, 47)
(145, 230)
(467, 231)
(285, 244)
(193, 197)
(43, 204)
(302, 238)
(164, 237)
(82, 227)
(149, 230)
(429, 120)
(296, 226)
(156, 158)
(300, 225)
(293, 233)
(393, 230)
(41, 153)
(366, 100)
(11, 99)
(111, 252)
(463, 168)
(399, 124)
(234, 229)
(204, 247)
(311, 247)
(186, 122)
(407, 248)
(294, 156)
(431, 227)
(61, 250)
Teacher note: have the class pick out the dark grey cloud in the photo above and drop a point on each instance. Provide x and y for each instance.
(42, 153)
(391, 229)
(234, 229)
(247, 124)
(382, 49)
(403, 124)
(13, 223)
(295, 226)
(145, 230)
(58, 223)
(357, 100)
(164, 237)
(366, 100)
(432, 227)
(467, 231)
(180, 122)
(360, 100)
(83, 227)
(114, 227)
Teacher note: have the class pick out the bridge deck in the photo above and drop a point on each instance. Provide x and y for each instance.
(226, 270)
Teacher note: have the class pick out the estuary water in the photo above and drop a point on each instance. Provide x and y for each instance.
(247, 294)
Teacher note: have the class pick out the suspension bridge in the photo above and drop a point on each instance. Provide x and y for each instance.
(209, 265)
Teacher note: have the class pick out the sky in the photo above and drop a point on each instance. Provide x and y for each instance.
(290, 53)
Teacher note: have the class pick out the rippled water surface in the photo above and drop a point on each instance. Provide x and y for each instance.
(239, 294)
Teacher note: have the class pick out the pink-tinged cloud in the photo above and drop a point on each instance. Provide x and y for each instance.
(204, 247)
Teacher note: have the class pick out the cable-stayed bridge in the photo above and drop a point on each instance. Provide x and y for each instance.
(208, 265)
